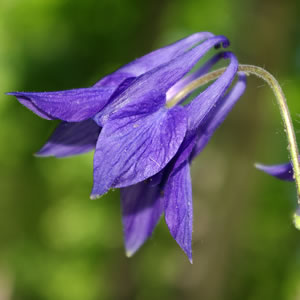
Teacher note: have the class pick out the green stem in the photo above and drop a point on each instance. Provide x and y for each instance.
(281, 101)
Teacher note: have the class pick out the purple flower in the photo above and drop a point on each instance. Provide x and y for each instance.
(142, 146)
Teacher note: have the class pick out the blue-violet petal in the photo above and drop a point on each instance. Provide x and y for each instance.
(133, 148)
(142, 208)
(70, 139)
(70, 105)
(179, 207)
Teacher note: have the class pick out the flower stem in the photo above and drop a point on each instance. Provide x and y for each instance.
(285, 114)
(281, 101)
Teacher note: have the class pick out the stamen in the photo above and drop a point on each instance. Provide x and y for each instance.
(283, 107)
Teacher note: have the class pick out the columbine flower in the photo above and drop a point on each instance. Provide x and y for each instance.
(144, 143)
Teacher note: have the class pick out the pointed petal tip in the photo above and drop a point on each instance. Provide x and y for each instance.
(131, 250)
(16, 94)
(188, 253)
(43, 154)
(40, 154)
(95, 196)
(98, 191)
(264, 168)
(129, 253)
(259, 166)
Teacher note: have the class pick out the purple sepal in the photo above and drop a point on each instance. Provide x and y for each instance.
(70, 105)
(282, 171)
(133, 148)
(70, 139)
(142, 207)
(179, 207)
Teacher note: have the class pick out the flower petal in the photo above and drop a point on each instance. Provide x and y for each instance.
(71, 139)
(179, 207)
(142, 208)
(158, 81)
(70, 105)
(218, 115)
(152, 60)
(133, 148)
(282, 171)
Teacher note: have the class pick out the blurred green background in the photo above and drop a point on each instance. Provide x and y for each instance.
(57, 244)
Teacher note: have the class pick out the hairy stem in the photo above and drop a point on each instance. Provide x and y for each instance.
(281, 101)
